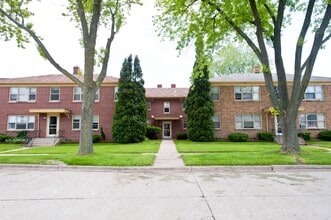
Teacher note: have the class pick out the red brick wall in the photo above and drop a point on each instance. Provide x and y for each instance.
(176, 110)
(228, 108)
(104, 108)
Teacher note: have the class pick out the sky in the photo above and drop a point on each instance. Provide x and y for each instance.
(160, 61)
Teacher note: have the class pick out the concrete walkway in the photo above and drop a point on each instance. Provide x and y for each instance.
(168, 157)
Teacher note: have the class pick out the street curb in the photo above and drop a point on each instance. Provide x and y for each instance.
(271, 168)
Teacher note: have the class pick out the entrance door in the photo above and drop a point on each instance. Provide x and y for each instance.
(166, 129)
(278, 129)
(53, 125)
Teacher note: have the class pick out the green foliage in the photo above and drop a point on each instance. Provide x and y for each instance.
(102, 134)
(265, 136)
(131, 109)
(199, 106)
(304, 135)
(22, 134)
(238, 137)
(152, 132)
(4, 138)
(96, 138)
(325, 135)
(181, 136)
(232, 59)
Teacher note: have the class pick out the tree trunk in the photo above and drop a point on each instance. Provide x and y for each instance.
(290, 134)
(85, 141)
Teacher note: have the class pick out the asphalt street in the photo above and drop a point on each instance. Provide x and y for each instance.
(34, 193)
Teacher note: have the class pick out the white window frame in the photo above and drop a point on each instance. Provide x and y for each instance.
(52, 94)
(242, 121)
(215, 93)
(28, 120)
(307, 123)
(216, 121)
(115, 94)
(247, 93)
(78, 94)
(95, 124)
(316, 91)
(77, 119)
(166, 105)
(185, 123)
(22, 94)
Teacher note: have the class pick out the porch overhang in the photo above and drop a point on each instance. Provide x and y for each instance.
(268, 110)
(50, 110)
(166, 118)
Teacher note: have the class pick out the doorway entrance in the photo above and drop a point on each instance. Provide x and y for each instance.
(278, 129)
(166, 127)
(53, 126)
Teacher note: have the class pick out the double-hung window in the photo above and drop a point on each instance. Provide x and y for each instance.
(313, 93)
(247, 93)
(217, 121)
(76, 122)
(308, 121)
(54, 94)
(78, 94)
(21, 122)
(248, 121)
(166, 107)
(22, 94)
(215, 93)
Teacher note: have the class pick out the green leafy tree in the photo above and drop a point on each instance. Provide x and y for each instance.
(131, 109)
(232, 59)
(258, 24)
(199, 106)
(90, 16)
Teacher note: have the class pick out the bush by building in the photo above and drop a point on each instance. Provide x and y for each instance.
(238, 137)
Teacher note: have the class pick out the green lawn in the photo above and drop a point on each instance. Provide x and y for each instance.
(5, 147)
(326, 144)
(247, 153)
(105, 154)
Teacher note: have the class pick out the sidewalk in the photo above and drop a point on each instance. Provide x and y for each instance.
(168, 157)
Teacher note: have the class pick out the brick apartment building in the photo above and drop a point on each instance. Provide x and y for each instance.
(166, 108)
(50, 106)
(242, 105)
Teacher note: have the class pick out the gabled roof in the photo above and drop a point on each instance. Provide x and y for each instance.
(166, 92)
(52, 79)
(258, 78)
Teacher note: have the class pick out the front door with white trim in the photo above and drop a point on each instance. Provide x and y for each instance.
(166, 125)
(53, 125)
(278, 129)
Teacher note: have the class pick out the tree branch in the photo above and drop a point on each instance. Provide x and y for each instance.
(43, 48)
(272, 15)
(236, 28)
(83, 21)
(103, 72)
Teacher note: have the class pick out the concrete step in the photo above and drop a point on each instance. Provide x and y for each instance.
(52, 141)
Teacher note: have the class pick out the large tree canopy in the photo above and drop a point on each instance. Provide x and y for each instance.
(90, 15)
(258, 23)
(233, 59)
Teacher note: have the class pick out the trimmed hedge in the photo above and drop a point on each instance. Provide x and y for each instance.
(181, 136)
(152, 132)
(238, 137)
(96, 138)
(4, 138)
(265, 136)
(325, 135)
(304, 135)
